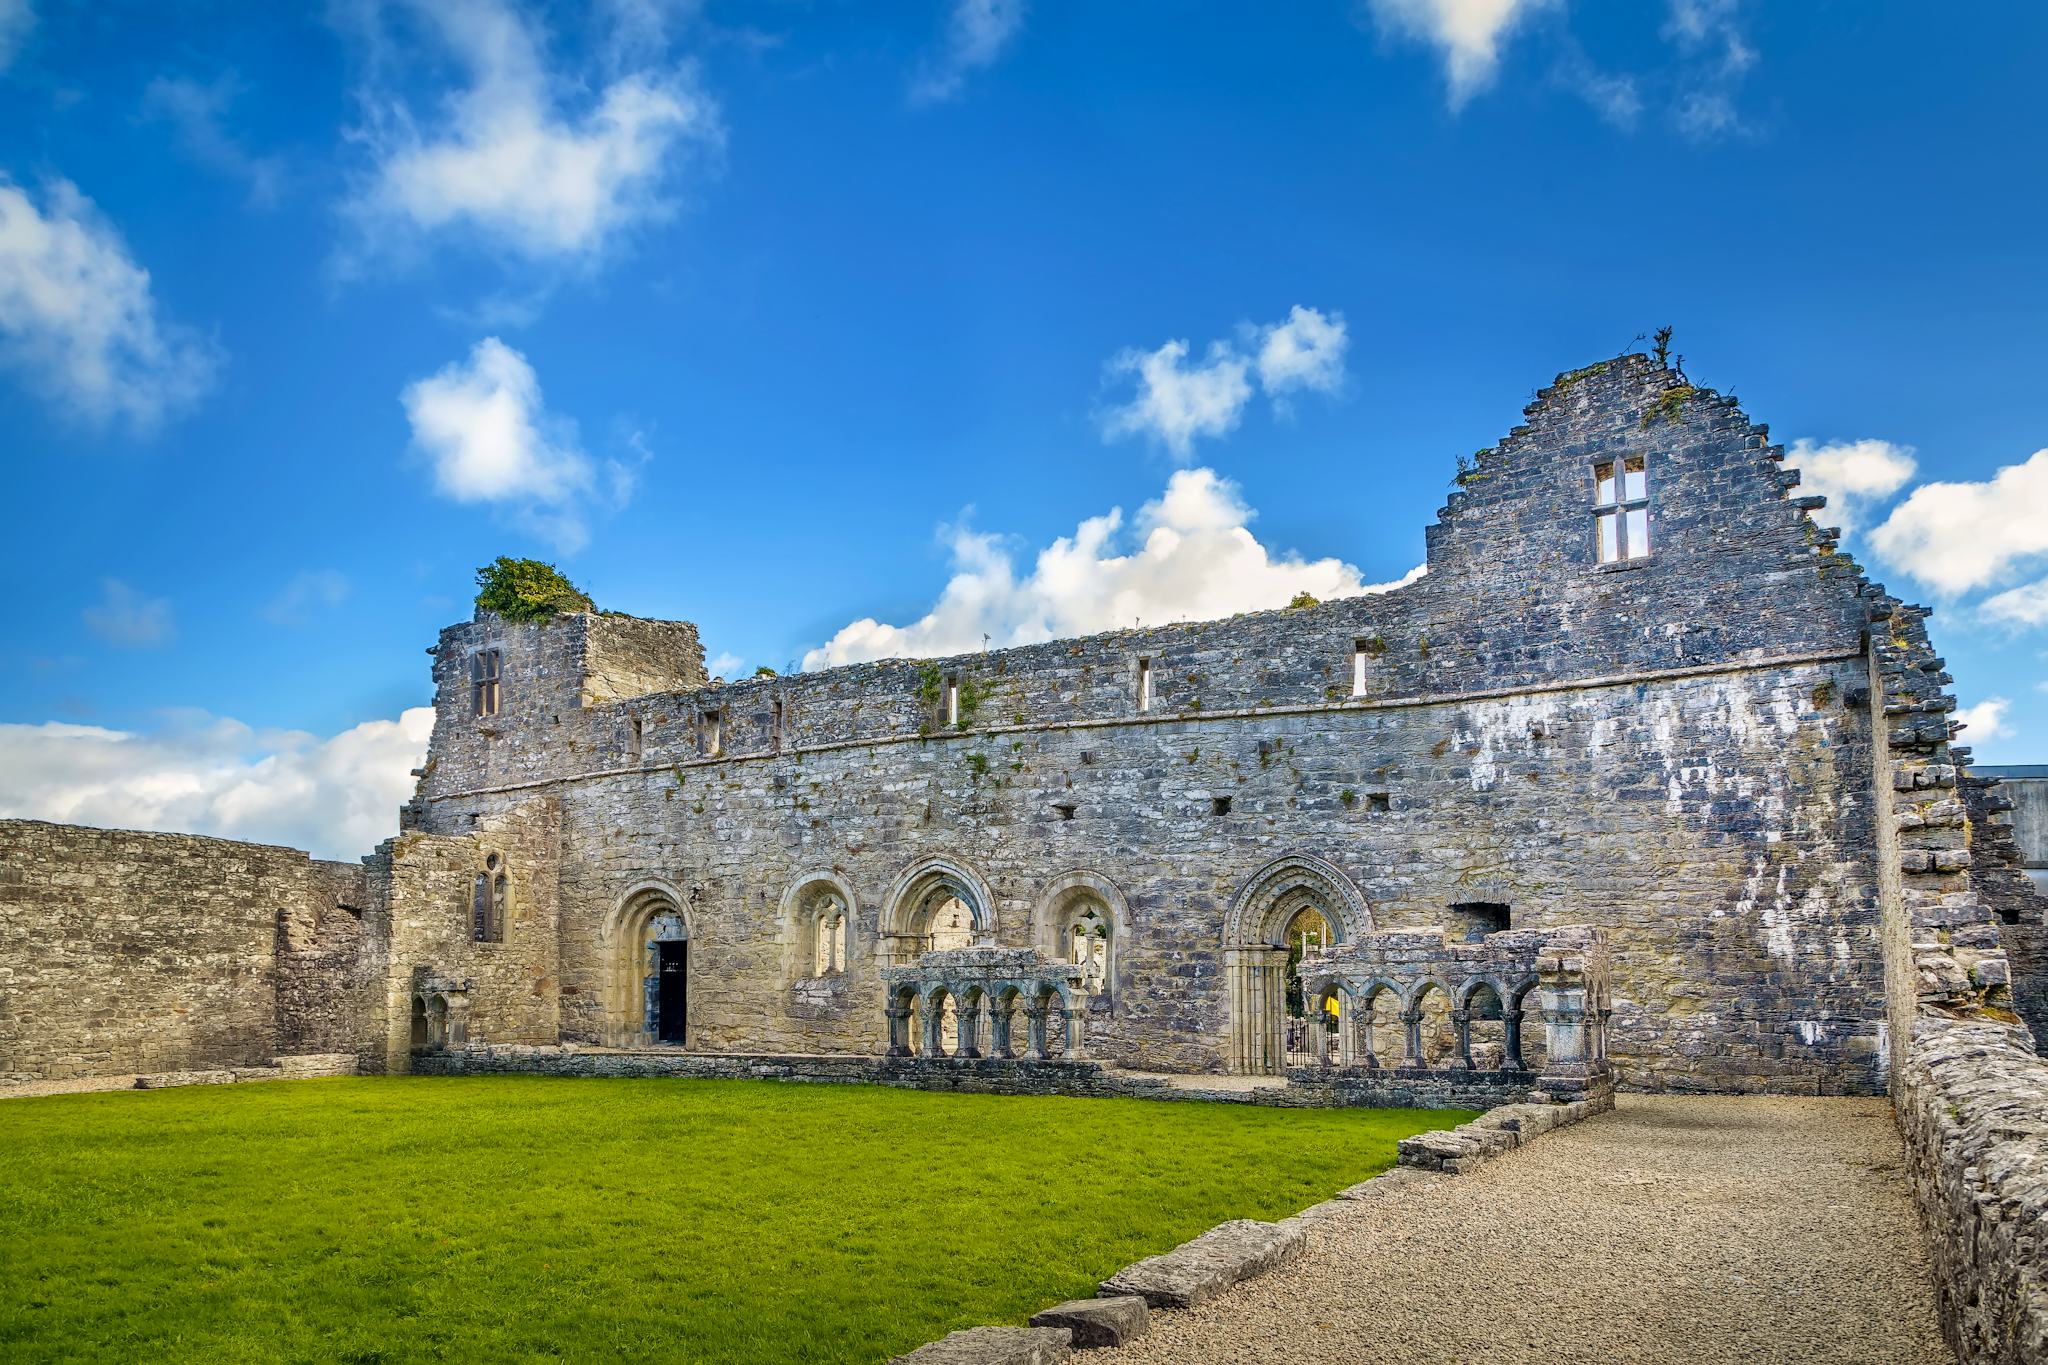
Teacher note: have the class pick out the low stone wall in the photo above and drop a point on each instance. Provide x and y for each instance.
(1307, 1088)
(1972, 1100)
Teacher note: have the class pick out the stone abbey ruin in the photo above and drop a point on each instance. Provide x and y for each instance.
(1644, 783)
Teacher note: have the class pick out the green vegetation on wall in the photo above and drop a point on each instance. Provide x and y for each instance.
(527, 590)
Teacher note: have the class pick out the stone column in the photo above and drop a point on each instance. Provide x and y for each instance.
(934, 1028)
(1255, 982)
(1318, 1033)
(1514, 1060)
(1034, 1031)
(1077, 1017)
(1347, 1029)
(970, 1026)
(1001, 1013)
(899, 1030)
(1413, 1020)
(1462, 1020)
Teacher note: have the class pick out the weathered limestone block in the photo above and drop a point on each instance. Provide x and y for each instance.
(1098, 1322)
(1200, 1269)
(995, 1346)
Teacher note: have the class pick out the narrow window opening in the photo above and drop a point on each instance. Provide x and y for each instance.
(635, 734)
(711, 734)
(484, 669)
(1358, 657)
(952, 700)
(1219, 805)
(1144, 684)
(775, 724)
(1066, 811)
(1621, 509)
(1474, 920)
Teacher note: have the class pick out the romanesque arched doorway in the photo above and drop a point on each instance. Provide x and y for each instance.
(1288, 909)
(647, 970)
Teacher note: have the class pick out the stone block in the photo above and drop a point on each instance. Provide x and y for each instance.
(1098, 1322)
(994, 1346)
(1200, 1269)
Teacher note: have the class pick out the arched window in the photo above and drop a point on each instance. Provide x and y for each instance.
(1087, 934)
(488, 897)
(950, 926)
(828, 936)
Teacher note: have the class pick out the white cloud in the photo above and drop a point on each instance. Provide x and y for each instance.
(1959, 536)
(17, 18)
(1304, 352)
(977, 32)
(1851, 475)
(506, 160)
(128, 618)
(1709, 32)
(1194, 559)
(1468, 32)
(197, 111)
(1176, 401)
(337, 798)
(483, 426)
(725, 666)
(78, 319)
(300, 600)
(2026, 605)
(1986, 720)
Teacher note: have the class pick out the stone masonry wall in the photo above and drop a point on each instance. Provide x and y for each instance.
(129, 952)
(1675, 748)
(1969, 1089)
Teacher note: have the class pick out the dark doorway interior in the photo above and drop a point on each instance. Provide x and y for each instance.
(672, 1004)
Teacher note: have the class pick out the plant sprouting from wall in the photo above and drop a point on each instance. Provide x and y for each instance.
(527, 590)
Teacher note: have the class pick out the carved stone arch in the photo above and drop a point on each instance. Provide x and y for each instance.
(911, 897)
(1413, 1000)
(1259, 912)
(799, 904)
(1473, 985)
(624, 944)
(1061, 898)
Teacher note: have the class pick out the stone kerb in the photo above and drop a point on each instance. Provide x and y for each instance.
(986, 986)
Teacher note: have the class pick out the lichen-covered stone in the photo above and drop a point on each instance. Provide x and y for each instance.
(1200, 1269)
(1098, 1322)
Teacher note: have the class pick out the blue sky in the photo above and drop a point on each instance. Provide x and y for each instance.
(784, 317)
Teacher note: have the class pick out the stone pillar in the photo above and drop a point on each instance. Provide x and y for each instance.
(1319, 1033)
(1076, 1025)
(1462, 1020)
(1413, 1020)
(1347, 1029)
(1001, 1014)
(1514, 1060)
(1034, 1031)
(458, 1020)
(969, 1020)
(899, 1030)
(1255, 982)
(934, 1028)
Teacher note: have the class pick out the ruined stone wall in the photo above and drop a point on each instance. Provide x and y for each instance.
(1677, 749)
(322, 972)
(128, 952)
(1969, 1089)
(427, 885)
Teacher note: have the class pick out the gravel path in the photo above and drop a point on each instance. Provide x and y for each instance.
(1675, 1229)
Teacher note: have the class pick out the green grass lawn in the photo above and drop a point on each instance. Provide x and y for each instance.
(517, 1218)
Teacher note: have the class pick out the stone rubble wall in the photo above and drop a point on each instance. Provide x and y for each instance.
(1969, 1089)
(126, 952)
(1304, 1089)
(1972, 1100)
